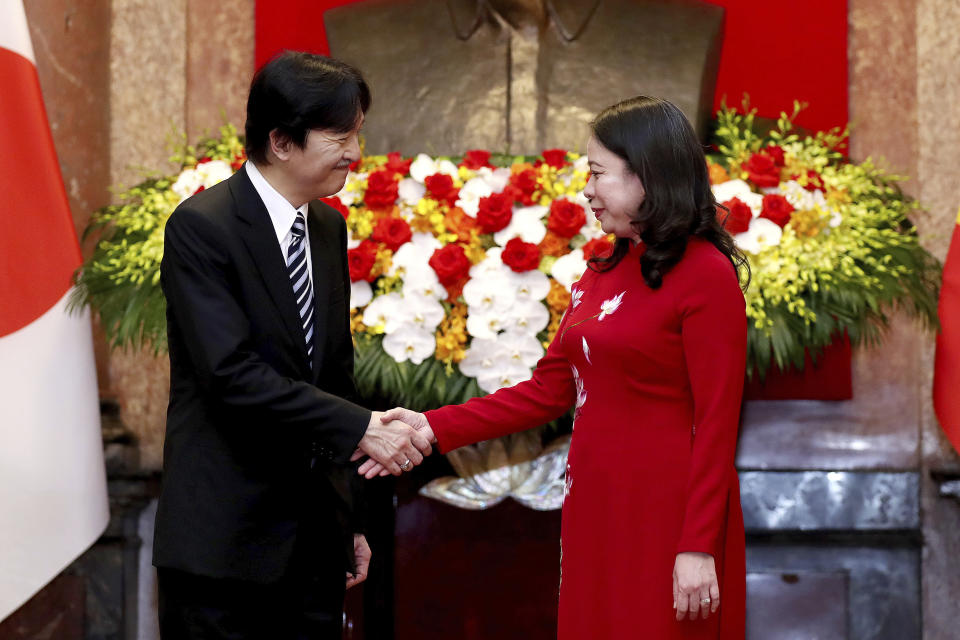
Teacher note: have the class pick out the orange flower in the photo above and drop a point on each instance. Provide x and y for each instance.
(717, 173)
(554, 245)
(456, 221)
(421, 224)
(559, 298)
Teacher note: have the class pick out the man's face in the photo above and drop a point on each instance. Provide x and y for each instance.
(320, 168)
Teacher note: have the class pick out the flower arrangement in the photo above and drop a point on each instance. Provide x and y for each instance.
(121, 280)
(830, 246)
(462, 271)
(462, 268)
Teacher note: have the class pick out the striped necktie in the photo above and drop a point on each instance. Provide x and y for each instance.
(300, 278)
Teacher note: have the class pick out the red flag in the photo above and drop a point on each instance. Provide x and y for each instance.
(946, 368)
(53, 499)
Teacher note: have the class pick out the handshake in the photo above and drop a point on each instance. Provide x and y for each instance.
(395, 441)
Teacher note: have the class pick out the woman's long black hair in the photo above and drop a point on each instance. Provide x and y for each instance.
(660, 146)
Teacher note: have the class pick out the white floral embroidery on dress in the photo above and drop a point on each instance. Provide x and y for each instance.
(611, 305)
(581, 394)
(586, 349)
(575, 300)
(568, 484)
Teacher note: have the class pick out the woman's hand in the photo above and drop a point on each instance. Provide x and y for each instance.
(695, 588)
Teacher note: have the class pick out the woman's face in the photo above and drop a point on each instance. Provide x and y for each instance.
(614, 191)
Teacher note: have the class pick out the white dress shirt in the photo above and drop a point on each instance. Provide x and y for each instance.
(282, 214)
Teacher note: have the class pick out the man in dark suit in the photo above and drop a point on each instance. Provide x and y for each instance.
(257, 532)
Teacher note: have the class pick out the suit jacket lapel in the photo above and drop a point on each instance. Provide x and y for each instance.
(321, 254)
(261, 240)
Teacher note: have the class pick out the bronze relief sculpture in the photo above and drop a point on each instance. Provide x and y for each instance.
(521, 75)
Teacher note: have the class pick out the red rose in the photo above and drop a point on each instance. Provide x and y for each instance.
(556, 158)
(397, 164)
(450, 263)
(475, 159)
(597, 248)
(763, 170)
(776, 208)
(495, 212)
(382, 189)
(361, 261)
(335, 202)
(521, 256)
(522, 185)
(392, 232)
(813, 182)
(737, 219)
(776, 153)
(355, 165)
(440, 188)
(238, 160)
(566, 218)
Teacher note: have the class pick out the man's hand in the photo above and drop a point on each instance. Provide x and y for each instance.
(392, 444)
(361, 555)
(372, 468)
(695, 588)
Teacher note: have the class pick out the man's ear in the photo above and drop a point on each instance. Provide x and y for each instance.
(280, 145)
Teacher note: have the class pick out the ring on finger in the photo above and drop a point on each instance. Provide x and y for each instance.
(405, 465)
(705, 600)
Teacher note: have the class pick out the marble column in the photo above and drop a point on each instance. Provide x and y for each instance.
(178, 66)
(938, 155)
(905, 106)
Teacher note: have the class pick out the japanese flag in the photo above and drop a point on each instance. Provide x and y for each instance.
(53, 498)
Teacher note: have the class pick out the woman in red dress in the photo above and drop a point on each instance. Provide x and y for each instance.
(651, 352)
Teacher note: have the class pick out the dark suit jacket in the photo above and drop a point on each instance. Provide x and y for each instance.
(256, 440)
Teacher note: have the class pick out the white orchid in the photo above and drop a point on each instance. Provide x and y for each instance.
(480, 358)
(488, 294)
(419, 279)
(415, 253)
(410, 191)
(527, 316)
(497, 179)
(383, 313)
(520, 347)
(485, 325)
(569, 268)
(422, 312)
(731, 189)
(361, 293)
(529, 285)
(762, 233)
(506, 372)
(213, 172)
(187, 183)
(410, 343)
(608, 307)
(424, 166)
(491, 265)
(592, 228)
(526, 224)
(800, 198)
(470, 195)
